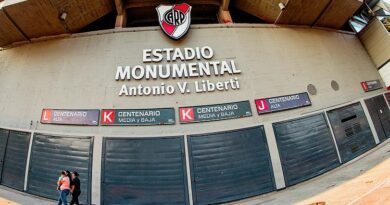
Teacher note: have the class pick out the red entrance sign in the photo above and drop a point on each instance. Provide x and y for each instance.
(70, 117)
(108, 117)
(261, 105)
(364, 86)
(46, 115)
(371, 85)
(186, 114)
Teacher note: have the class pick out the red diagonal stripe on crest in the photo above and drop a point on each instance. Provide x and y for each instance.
(182, 7)
(168, 27)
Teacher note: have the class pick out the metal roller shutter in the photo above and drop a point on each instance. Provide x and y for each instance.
(144, 171)
(306, 148)
(380, 115)
(230, 165)
(3, 145)
(352, 132)
(15, 160)
(50, 155)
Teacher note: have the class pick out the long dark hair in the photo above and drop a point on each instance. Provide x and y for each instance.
(68, 174)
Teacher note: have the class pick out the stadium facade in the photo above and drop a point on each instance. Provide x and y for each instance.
(201, 114)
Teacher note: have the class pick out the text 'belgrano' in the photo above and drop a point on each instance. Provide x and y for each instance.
(195, 63)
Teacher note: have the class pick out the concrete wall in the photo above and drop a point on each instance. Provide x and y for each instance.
(79, 73)
(376, 40)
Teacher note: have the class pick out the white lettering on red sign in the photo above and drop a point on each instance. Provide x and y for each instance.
(261, 105)
(108, 116)
(186, 114)
(46, 115)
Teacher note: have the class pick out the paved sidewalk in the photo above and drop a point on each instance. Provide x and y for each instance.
(10, 196)
(365, 180)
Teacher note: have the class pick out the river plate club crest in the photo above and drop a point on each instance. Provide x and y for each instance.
(174, 19)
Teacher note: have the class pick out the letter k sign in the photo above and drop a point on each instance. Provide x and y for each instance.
(108, 117)
(186, 114)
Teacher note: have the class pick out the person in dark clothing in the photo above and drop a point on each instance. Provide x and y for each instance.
(75, 188)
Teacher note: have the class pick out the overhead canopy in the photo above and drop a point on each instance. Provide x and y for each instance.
(321, 13)
(23, 20)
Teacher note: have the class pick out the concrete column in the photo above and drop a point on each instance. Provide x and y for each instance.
(121, 11)
(372, 127)
(121, 20)
(96, 169)
(388, 103)
(188, 170)
(333, 136)
(28, 162)
(224, 16)
(223, 13)
(275, 158)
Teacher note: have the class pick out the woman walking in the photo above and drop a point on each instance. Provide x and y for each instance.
(63, 188)
(75, 188)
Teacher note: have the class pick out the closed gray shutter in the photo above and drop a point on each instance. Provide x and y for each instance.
(3, 145)
(231, 165)
(15, 160)
(52, 154)
(306, 148)
(380, 116)
(352, 132)
(144, 171)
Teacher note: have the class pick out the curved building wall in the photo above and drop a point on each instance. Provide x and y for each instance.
(79, 73)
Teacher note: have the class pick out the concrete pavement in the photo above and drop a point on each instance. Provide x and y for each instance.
(12, 197)
(365, 180)
(362, 181)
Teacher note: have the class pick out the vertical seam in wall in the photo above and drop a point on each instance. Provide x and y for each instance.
(370, 122)
(333, 136)
(27, 171)
(189, 183)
